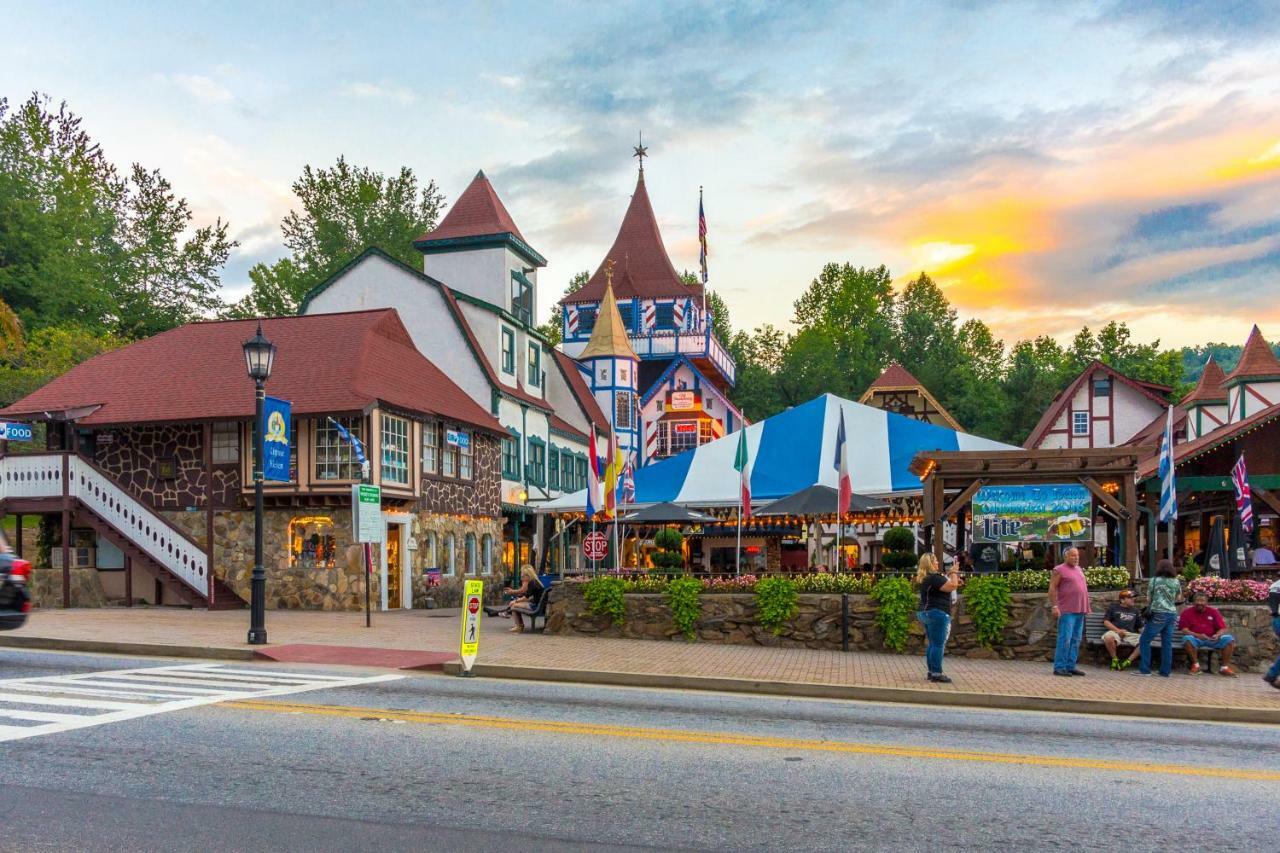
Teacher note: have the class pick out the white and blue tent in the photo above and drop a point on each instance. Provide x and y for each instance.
(795, 449)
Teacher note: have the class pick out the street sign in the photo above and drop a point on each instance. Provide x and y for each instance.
(595, 546)
(472, 595)
(366, 514)
(15, 432)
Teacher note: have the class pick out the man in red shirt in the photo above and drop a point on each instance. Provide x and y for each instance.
(1203, 627)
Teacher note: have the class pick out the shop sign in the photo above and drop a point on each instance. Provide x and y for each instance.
(15, 432)
(366, 512)
(1041, 513)
(684, 427)
(104, 438)
(683, 401)
(457, 438)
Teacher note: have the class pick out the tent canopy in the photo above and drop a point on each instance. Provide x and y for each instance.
(818, 500)
(793, 450)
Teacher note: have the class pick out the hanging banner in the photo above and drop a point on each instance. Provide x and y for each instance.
(1052, 513)
(472, 596)
(275, 441)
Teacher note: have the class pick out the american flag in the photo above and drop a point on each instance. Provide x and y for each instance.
(1244, 499)
(702, 237)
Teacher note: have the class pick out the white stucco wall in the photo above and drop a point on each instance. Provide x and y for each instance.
(1134, 411)
(483, 273)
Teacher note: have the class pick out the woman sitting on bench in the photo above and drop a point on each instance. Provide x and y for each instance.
(526, 597)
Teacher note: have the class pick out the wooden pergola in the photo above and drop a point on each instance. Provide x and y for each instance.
(952, 478)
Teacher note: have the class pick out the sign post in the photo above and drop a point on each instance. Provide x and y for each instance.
(472, 596)
(367, 526)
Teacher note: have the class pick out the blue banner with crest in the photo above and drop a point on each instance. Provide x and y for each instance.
(275, 445)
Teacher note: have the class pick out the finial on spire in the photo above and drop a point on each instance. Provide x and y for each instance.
(641, 152)
(608, 272)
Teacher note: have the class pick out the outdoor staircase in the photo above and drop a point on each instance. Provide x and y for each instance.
(39, 482)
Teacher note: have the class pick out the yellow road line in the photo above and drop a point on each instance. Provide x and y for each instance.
(685, 736)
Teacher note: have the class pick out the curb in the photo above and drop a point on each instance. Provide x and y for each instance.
(141, 649)
(950, 698)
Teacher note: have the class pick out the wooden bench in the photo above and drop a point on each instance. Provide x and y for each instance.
(1094, 629)
(540, 609)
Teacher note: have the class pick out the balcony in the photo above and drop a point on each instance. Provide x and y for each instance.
(704, 348)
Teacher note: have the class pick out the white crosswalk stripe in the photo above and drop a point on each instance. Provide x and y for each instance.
(45, 705)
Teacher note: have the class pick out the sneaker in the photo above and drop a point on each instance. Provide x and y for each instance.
(1140, 672)
(1076, 672)
(1125, 664)
(1062, 672)
(1195, 668)
(940, 679)
(1115, 664)
(1226, 670)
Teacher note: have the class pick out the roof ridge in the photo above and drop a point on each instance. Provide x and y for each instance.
(1256, 359)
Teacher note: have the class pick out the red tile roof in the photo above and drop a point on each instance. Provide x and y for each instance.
(1146, 389)
(1210, 388)
(578, 385)
(642, 267)
(895, 376)
(1256, 361)
(324, 363)
(478, 212)
(1189, 450)
(561, 425)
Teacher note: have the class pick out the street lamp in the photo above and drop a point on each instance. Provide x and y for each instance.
(259, 354)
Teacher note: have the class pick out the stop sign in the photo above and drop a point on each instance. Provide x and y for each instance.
(473, 604)
(595, 545)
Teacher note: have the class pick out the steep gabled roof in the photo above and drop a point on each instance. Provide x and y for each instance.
(477, 214)
(1210, 388)
(897, 378)
(1256, 362)
(1190, 450)
(609, 337)
(324, 363)
(642, 267)
(1152, 432)
(1146, 389)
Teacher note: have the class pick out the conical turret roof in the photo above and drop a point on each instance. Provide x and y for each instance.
(1257, 361)
(1210, 388)
(642, 267)
(478, 212)
(609, 337)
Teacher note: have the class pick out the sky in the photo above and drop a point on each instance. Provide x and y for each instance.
(1050, 164)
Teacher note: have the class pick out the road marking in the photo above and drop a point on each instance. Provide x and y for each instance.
(687, 736)
(131, 693)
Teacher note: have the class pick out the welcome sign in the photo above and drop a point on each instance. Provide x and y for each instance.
(1050, 513)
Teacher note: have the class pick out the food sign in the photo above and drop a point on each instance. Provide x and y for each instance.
(1048, 513)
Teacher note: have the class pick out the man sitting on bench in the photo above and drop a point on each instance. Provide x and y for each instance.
(1203, 627)
(1124, 626)
(526, 597)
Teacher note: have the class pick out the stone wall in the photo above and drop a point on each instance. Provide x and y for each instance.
(481, 495)
(46, 588)
(730, 618)
(133, 457)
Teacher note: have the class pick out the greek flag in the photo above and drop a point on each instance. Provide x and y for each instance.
(346, 436)
(1168, 492)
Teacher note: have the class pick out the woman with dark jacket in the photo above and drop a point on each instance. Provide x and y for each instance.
(935, 612)
(526, 597)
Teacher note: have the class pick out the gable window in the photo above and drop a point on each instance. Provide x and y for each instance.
(521, 297)
(334, 457)
(553, 468)
(1102, 386)
(1079, 423)
(624, 406)
(395, 450)
(508, 351)
(537, 461)
(534, 369)
(431, 447)
(665, 316)
(226, 443)
(511, 456)
(586, 321)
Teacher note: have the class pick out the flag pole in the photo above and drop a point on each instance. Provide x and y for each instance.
(737, 566)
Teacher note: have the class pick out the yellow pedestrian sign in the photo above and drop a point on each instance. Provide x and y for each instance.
(472, 598)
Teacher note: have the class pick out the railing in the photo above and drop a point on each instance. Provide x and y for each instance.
(40, 476)
(703, 344)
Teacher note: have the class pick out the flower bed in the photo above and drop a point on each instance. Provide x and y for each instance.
(1219, 589)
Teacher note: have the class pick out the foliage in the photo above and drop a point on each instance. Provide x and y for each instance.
(51, 351)
(776, 602)
(835, 583)
(1190, 570)
(345, 209)
(897, 604)
(670, 554)
(686, 606)
(1106, 577)
(899, 539)
(986, 598)
(552, 329)
(604, 597)
(1219, 589)
(1029, 580)
(1037, 580)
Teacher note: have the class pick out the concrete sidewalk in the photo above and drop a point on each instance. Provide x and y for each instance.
(680, 665)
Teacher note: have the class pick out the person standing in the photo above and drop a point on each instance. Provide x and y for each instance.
(935, 612)
(1273, 601)
(1069, 595)
(1163, 591)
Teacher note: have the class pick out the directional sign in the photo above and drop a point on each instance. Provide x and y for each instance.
(15, 432)
(366, 511)
(595, 546)
(472, 594)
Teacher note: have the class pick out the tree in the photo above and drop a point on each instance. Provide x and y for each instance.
(551, 330)
(848, 311)
(1038, 370)
(757, 391)
(344, 210)
(926, 325)
(51, 351)
(275, 291)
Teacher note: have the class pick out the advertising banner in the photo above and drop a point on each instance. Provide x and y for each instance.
(1052, 513)
(275, 443)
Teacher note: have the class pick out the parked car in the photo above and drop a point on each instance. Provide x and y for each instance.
(15, 597)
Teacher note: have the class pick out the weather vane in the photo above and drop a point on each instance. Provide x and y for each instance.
(641, 151)
(608, 272)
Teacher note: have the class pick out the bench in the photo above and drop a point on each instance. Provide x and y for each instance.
(539, 609)
(1094, 629)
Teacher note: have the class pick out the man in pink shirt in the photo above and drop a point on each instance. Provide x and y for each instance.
(1203, 627)
(1069, 595)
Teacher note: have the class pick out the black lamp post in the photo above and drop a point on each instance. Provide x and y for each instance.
(259, 353)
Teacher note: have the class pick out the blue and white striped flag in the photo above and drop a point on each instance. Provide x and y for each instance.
(1168, 491)
(355, 443)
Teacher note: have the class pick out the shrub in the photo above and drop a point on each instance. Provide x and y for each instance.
(776, 603)
(1229, 590)
(670, 555)
(899, 560)
(604, 597)
(835, 583)
(685, 603)
(897, 602)
(1030, 580)
(899, 539)
(647, 583)
(1105, 577)
(1190, 570)
(987, 600)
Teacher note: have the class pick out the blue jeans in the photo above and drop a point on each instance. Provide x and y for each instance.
(1274, 672)
(1070, 632)
(1217, 645)
(936, 626)
(1163, 624)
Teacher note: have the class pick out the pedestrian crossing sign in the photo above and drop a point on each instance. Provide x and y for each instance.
(472, 600)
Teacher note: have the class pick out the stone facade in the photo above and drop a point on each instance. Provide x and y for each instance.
(46, 588)
(730, 618)
(481, 495)
(135, 456)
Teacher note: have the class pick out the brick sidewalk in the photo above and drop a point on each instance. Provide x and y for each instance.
(420, 630)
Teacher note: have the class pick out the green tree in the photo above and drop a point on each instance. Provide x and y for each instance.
(274, 291)
(927, 339)
(51, 351)
(759, 359)
(849, 311)
(1038, 370)
(552, 329)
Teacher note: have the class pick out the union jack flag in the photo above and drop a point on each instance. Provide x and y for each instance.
(1244, 499)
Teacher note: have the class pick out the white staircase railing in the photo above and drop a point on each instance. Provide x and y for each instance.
(40, 476)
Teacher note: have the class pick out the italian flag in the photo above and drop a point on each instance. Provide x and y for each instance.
(742, 464)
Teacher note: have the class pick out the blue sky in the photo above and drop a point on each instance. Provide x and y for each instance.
(1051, 164)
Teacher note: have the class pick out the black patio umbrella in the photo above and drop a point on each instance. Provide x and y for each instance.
(818, 500)
(667, 513)
(1215, 554)
(1238, 553)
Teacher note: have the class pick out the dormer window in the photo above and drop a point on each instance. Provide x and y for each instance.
(522, 297)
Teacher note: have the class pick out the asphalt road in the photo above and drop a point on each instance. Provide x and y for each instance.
(439, 763)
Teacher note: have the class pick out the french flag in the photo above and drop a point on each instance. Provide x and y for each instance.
(841, 464)
(593, 479)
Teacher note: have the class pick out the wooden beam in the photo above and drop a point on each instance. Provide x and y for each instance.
(1107, 500)
(963, 498)
(1265, 496)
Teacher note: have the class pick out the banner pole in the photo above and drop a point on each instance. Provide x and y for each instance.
(737, 566)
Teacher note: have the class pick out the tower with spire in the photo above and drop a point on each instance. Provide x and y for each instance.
(684, 371)
(1254, 385)
(611, 366)
(1206, 405)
